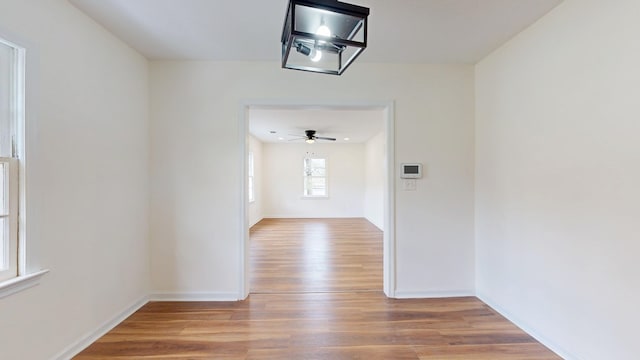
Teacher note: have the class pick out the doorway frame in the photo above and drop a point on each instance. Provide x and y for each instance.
(389, 213)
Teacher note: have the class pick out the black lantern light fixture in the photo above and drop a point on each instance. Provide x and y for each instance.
(323, 36)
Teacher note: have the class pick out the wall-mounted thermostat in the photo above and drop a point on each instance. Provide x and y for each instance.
(411, 171)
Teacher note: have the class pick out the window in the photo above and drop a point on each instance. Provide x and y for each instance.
(11, 125)
(8, 218)
(250, 182)
(315, 177)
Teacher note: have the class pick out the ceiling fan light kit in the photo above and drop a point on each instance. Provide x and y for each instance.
(323, 36)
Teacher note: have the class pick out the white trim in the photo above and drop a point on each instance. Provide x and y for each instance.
(243, 243)
(21, 154)
(257, 221)
(251, 175)
(20, 283)
(313, 217)
(372, 223)
(389, 233)
(92, 336)
(433, 294)
(195, 296)
(389, 253)
(553, 346)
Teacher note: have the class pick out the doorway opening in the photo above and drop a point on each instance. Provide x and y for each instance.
(383, 220)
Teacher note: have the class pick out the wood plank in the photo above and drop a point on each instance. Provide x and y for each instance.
(315, 255)
(303, 310)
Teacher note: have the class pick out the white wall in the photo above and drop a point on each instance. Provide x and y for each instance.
(87, 179)
(557, 179)
(283, 181)
(195, 221)
(375, 175)
(255, 211)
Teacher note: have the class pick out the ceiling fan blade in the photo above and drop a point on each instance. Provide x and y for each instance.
(298, 138)
(325, 138)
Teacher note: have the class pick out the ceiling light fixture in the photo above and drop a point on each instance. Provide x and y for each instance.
(310, 141)
(326, 35)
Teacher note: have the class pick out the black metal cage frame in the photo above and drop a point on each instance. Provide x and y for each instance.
(292, 37)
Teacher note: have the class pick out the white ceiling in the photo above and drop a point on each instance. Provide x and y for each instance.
(409, 31)
(359, 125)
(401, 31)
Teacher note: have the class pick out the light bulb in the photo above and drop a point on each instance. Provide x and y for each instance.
(310, 141)
(316, 55)
(324, 30)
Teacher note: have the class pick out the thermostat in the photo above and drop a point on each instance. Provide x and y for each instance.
(411, 171)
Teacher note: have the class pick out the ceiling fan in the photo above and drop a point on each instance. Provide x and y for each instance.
(310, 137)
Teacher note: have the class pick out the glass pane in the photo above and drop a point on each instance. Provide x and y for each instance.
(250, 165)
(314, 167)
(315, 186)
(3, 189)
(318, 182)
(310, 20)
(307, 186)
(317, 163)
(306, 54)
(6, 98)
(4, 244)
(251, 194)
(308, 170)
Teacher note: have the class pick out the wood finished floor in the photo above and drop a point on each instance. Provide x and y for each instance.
(313, 255)
(316, 295)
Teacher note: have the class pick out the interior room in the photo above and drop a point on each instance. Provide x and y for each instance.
(132, 164)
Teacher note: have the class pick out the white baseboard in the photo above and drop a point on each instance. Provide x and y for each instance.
(526, 328)
(89, 338)
(298, 216)
(400, 294)
(251, 225)
(195, 296)
(379, 226)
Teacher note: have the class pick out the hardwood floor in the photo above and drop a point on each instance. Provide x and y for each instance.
(316, 295)
(315, 255)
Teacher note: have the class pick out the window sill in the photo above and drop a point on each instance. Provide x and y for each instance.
(20, 283)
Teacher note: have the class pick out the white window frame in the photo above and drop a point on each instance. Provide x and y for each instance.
(21, 278)
(251, 184)
(9, 218)
(306, 175)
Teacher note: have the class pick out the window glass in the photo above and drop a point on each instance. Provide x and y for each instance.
(315, 177)
(250, 182)
(11, 112)
(6, 98)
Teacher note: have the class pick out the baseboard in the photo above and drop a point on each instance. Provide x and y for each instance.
(251, 225)
(298, 216)
(374, 224)
(399, 294)
(195, 296)
(526, 328)
(75, 348)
